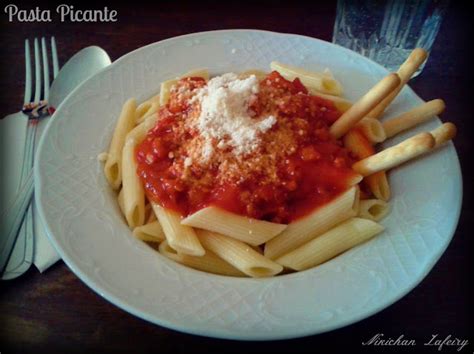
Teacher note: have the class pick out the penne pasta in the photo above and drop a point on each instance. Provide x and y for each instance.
(359, 145)
(132, 187)
(341, 103)
(330, 244)
(321, 82)
(240, 255)
(444, 133)
(133, 192)
(372, 129)
(322, 219)
(252, 231)
(137, 134)
(147, 108)
(208, 263)
(141, 110)
(356, 142)
(413, 117)
(395, 155)
(363, 106)
(354, 180)
(378, 185)
(373, 209)
(180, 237)
(125, 123)
(151, 232)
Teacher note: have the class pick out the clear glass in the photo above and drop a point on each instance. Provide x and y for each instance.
(387, 31)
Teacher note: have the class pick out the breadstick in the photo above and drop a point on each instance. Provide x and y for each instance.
(444, 133)
(363, 106)
(405, 72)
(413, 117)
(395, 155)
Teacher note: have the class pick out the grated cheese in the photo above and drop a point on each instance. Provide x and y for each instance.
(225, 119)
(188, 161)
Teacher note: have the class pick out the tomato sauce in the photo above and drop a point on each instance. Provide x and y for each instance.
(298, 167)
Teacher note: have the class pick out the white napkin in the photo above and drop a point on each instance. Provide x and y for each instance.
(12, 141)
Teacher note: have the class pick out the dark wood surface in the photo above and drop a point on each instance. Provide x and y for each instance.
(55, 311)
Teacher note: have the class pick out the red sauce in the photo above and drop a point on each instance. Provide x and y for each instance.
(311, 167)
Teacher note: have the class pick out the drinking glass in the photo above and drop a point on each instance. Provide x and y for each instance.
(387, 31)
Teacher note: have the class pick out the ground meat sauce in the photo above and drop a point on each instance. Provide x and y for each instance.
(296, 168)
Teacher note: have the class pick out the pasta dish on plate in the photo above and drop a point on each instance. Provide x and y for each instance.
(258, 174)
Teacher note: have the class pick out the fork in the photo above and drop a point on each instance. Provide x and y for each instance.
(34, 109)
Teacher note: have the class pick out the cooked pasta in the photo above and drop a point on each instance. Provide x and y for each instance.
(113, 164)
(254, 232)
(180, 237)
(319, 221)
(209, 262)
(240, 255)
(258, 174)
(330, 244)
(373, 209)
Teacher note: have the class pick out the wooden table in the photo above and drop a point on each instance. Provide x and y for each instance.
(56, 311)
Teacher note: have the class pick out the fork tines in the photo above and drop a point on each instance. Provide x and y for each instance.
(38, 106)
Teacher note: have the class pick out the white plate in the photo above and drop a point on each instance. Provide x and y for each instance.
(84, 224)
